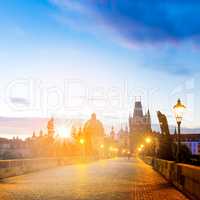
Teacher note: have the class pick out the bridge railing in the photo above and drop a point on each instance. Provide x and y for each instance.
(185, 177)
(16, 167)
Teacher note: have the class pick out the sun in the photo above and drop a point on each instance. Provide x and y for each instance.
(64, 132)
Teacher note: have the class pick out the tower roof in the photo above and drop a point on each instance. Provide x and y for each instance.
(138, 109)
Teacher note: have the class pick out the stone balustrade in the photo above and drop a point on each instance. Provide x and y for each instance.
(16, 167)
(185, 177)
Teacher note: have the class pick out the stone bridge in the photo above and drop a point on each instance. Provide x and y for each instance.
(115, 179)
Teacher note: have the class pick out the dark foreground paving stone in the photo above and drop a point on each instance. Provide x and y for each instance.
(117, 179)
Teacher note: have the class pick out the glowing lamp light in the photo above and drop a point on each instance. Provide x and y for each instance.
(116, 149)
(101, 146)
(148, 140)
(179, 109)
(82, 141)
(141, 146)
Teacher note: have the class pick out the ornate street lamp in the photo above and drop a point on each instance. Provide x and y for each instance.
(178, 111)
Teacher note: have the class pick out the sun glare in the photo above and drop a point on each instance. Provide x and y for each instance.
(64, 132)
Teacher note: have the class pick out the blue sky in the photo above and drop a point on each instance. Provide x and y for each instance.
(107, 52)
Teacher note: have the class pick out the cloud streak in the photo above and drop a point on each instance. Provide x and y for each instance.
(19, 101)
(138, 24)
(142, 21)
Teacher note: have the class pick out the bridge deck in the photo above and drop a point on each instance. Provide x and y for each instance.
(109, 179)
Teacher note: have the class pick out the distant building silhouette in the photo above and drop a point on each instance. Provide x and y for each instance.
(14, 148)
(191, 140)
(123, 138)
(50, 128)
(94, 134)
(139, 125)
(112, 133)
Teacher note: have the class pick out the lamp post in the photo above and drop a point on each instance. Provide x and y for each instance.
(148, 142)
(82, 143)
(102, 150)
(178, 111)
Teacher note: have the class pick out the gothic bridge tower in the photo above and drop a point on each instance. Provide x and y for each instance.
(139, 125)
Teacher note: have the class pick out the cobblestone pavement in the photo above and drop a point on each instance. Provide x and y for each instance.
(106, 180)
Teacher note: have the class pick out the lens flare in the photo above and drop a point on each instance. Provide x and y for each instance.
(64, 132)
